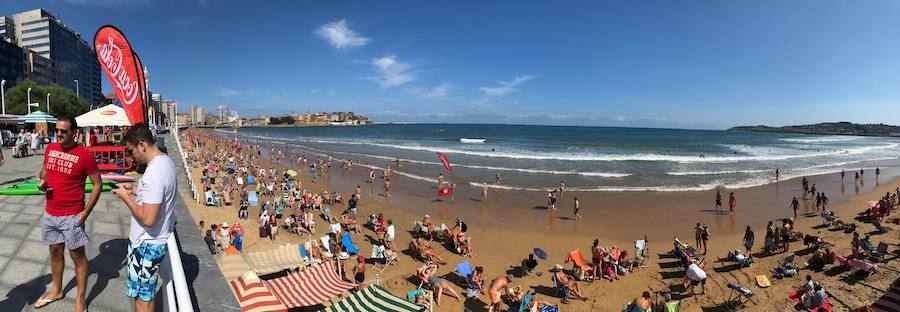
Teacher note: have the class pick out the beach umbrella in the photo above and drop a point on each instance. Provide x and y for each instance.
(872, 203)
(291, 173)
(540, 253)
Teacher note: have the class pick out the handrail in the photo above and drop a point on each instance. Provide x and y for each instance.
(177, 286)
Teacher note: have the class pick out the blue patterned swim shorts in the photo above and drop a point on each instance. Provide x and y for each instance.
(143, 270)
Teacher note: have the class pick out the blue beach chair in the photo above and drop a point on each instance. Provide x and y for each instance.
(345, 240)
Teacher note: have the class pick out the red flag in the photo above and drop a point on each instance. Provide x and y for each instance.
(445, 161)
(121, 66)
(444, 191)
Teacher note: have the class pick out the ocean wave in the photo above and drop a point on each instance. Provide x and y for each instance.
(689, 173)
(822, 139)
(525, 170)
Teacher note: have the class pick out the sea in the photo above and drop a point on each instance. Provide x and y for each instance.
(589, 159)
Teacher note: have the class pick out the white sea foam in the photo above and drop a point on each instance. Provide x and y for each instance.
(690, 173)
(822, 139)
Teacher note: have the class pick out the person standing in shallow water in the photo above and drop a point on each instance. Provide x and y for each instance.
(718, 200)
(731, 202)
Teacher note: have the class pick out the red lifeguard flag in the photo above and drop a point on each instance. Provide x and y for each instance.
(445, 161)
(444, 191)
(123, 70)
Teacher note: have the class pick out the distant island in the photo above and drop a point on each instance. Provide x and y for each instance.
(829, 128)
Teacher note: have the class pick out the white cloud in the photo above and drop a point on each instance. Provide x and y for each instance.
(438, 92)
(391, 73)
(228, 92)
(506, 87)
(340, 36)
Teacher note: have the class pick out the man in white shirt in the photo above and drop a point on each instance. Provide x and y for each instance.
(695, 275)
(389, 236)
(153, 215)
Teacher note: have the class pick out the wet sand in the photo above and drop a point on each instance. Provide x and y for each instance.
(510, 224)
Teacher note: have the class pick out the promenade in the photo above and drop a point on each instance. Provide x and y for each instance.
(25, 259)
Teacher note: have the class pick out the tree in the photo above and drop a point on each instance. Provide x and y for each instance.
(63, 102)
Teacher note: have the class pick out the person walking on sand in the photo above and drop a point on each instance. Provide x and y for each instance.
(795, 204)
(152, 215)
(387, 188)
(705, 237)
(440, 179)
(698, 235)
(62, 178)
(497, 176)
(731, 202)
(718, 200)
(748, 241)
(484, 191)
(551, 200)
(577, 206)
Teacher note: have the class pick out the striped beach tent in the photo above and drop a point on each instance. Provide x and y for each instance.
(275, 260)
(373, 298)
(232, 267)
(254, 296)
(309, 287)
(891, 300)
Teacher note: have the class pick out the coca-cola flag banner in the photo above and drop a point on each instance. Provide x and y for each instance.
(121, 66)
(445, 161)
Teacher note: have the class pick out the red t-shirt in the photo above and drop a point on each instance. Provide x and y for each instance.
(66, 173)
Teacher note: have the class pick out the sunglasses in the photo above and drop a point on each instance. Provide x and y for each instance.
(63, 131)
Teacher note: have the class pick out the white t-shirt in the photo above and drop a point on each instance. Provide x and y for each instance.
(390, 233)
(695, 273)
(157, 186)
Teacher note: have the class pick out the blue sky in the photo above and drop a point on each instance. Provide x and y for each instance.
(683, 64)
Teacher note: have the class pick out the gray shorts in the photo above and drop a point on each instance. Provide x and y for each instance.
(64, 229)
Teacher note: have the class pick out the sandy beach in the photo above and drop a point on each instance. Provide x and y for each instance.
(511, 223)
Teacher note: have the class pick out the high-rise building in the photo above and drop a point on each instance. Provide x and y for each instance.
(12, 63)
(169, 107)
(7, 29)
(224, 113)
(72, 58)
(196, 113)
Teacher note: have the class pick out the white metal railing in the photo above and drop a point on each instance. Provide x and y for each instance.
(178, 296)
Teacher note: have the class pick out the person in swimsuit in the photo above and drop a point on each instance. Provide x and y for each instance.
(484, 191)
(698, 234)
(359, 272)
(640, 304)
(497, 285)
(497, 176)
(577, 207)
(705, 238)
(438, 284)
(718, 200)
(597, 253)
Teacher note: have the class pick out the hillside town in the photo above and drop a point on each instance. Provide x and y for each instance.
(226, 117)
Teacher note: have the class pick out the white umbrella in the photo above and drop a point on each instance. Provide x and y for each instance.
(109, 115)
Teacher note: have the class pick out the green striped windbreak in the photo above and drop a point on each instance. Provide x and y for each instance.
(373, 298)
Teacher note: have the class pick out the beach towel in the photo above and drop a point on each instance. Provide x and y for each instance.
(335, 228)
(309, 287)
(763, 281)
(253, 199)
(348, 243)
(254, 296)
(373, 298)
(890, 301)
(826, 306)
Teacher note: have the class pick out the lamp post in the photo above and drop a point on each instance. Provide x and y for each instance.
(29, 101)
(48, 102)
(3, 95)
(77, 94)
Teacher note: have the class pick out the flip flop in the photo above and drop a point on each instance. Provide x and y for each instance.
(43, 302)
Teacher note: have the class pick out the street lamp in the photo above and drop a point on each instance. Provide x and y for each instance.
(3, 95)
(48, 102)
(29, 101)
(77, 94)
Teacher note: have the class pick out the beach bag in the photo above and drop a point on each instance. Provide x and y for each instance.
(579, 274)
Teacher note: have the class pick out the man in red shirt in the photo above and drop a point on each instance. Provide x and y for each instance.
(66, 165)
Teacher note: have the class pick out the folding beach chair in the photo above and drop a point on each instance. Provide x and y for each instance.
(348, 243)
(863, 265)
(522, 306)
(640, 247)
(578, 262)
(739, 297)
(879, 253)
(560, 288)
(673, 306)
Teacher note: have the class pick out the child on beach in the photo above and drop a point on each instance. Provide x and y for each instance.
(731, 202)
(577, 206)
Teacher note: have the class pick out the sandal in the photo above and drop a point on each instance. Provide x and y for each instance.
(43, 302)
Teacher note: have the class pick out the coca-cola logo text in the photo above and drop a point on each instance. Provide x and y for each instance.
(111, 56)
